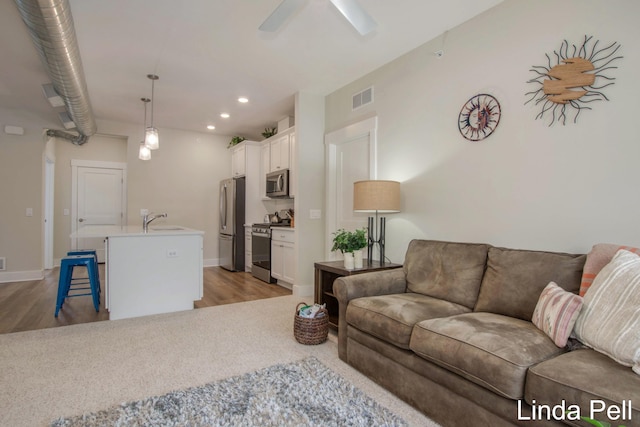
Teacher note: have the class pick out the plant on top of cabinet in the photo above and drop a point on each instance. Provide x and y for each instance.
(269, 132)
(235, 141)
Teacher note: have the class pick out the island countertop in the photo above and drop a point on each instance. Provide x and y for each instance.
(89, 231)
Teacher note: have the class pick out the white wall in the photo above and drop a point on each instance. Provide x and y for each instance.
(99, 147)
(529, 185)
(181, 179)
(310, 189)
(21, 180)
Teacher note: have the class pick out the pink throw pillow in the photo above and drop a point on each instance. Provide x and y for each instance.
(556, 313)
(600, 255)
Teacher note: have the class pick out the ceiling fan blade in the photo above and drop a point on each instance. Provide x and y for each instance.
(356, 15)
(280, 15)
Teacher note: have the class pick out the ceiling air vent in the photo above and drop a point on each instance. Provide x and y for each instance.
(362, 98)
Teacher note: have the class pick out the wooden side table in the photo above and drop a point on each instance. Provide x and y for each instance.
(328, 271)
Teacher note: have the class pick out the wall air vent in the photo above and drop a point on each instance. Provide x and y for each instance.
(362, 98)
(3, 263)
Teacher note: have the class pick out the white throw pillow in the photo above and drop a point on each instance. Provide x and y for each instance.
(610, 318)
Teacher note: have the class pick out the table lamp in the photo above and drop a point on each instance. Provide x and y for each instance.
(379, 197)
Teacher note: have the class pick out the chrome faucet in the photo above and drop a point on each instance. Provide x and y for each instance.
(147, 218)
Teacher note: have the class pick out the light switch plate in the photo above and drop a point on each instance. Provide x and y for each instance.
(315, 214)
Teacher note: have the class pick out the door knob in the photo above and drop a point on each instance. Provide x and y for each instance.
(81, 220)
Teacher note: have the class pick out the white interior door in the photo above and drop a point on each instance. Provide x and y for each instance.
(99, 201)
(351, 153)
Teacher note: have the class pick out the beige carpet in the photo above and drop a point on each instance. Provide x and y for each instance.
(69, 370)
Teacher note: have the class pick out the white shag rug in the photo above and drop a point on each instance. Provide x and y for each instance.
(302, 393)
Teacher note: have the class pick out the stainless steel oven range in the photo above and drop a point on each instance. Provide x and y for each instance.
(261, 252)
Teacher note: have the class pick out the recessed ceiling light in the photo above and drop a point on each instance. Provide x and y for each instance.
(243, 99)
(224, 115)
(211, 127)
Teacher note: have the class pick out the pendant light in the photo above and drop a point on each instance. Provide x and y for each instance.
(151, 139)
(144, 153)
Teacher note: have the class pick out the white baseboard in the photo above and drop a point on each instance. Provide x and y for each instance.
(303, 291)
(21, 276)
(212, 262)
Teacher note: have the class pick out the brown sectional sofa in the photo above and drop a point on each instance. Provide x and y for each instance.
(451, 334)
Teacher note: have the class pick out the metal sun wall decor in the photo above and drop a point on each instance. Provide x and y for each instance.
(574, 68)
(479, 117)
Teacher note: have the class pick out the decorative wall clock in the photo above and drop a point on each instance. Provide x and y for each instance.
(569, 82)
(479, 117)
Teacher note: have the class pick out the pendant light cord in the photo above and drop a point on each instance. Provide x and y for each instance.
(153, 78)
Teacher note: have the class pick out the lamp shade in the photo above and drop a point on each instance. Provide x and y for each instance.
(144, 153)
(380, 196)
(151, 139)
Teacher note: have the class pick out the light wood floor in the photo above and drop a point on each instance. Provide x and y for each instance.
(26, 306)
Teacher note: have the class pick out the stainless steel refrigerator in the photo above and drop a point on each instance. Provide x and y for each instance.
(231, 232)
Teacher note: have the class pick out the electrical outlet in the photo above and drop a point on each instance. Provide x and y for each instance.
(29, 212)
(315, 214)
(144, 212)
(172, 253)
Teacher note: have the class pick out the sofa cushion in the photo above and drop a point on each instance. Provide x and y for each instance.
(392, 317)
(491, 350)
(583, 376)
(599, 256)
(610, 318)
(515, 278)
(556, 313)
(446, 270)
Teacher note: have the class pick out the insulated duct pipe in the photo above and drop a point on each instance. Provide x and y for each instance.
(76, 139)
(51, 27)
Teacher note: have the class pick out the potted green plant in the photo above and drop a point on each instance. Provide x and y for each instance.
(235, 141)
(269, 132)
(350, 243)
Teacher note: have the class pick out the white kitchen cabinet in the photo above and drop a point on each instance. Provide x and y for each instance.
(279, 153)
(245, 161)
(159, 271)
(265, 156)
(239, 160)
(283, 255)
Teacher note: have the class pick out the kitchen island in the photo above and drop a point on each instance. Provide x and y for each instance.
(158, 271)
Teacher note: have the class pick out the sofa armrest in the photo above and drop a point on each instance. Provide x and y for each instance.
(346, 288)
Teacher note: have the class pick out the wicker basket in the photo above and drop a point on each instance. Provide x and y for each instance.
(311, 331)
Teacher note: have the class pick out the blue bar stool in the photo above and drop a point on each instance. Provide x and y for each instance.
(66, 283)
(88, 252)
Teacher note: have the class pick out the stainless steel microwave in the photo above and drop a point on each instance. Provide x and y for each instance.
(278, 184)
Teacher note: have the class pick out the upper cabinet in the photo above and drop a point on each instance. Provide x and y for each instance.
(278, 153)
(239, 160)
(245, 162)
(279, 148)
(264, 169)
